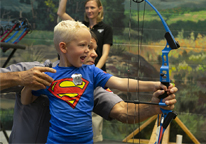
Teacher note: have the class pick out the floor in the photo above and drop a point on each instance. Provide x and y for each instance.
(4, 141)
(2, 137)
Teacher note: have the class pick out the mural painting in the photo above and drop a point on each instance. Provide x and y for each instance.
(136, 53)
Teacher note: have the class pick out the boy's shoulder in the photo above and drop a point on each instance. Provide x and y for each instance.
(84, 66)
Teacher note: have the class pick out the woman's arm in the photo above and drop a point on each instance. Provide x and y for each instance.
(62, 11)
(105, 53)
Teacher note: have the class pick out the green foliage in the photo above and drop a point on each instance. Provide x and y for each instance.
(152, 25)
(32, 54)
(117, 50)
(6, 118)
(193, 122)
(6, 115)
(25, 1)
(114, 14)
(52, 8)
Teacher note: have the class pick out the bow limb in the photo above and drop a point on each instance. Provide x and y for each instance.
(171, 44)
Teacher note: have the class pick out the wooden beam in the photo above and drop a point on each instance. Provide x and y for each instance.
(139, 129)
(186, 130)
(153, 135)
(165, 139)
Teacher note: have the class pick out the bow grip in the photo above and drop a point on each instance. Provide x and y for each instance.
(165, 94)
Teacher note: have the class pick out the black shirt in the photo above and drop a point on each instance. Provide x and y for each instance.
(104, 35)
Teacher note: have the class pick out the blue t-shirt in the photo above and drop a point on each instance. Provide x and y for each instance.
(71, 105)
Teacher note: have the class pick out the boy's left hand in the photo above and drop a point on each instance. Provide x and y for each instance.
(160, 86)
(169, 100)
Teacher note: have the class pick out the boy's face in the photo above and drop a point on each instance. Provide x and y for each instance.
(77, 49)
(90, 59)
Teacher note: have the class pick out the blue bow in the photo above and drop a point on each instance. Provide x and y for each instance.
(167, 115)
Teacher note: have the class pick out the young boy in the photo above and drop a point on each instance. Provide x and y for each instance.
(71, 92)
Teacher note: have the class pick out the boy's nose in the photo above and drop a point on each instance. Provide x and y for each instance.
(87, 49)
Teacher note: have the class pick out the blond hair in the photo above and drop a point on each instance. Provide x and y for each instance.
(65, 31)
(100, 16)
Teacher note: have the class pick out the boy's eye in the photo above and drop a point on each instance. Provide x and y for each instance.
(90, 46)
(82, 45)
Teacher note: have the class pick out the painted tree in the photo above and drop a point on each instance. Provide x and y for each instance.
(114, 14)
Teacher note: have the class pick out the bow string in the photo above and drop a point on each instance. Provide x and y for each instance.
(168, 115)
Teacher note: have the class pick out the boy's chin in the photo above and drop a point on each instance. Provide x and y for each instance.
(79, 65)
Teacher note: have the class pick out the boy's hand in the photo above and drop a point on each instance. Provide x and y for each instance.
(35, 78)
(159, 86)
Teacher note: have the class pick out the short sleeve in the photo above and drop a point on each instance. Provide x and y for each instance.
(108, 36)
(38, 92)
(104, 101)
(100, 77)
(22, 66)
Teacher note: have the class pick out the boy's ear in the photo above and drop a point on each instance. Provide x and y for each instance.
(62, 47)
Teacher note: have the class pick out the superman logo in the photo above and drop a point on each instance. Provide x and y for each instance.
(67, 91)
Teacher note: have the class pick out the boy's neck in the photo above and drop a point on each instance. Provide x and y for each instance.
(63, 63)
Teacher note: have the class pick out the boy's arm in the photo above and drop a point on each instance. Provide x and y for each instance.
(26, 96)
(132, 85)
(62, 11)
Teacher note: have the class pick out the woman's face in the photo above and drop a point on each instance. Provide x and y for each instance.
(92, 10)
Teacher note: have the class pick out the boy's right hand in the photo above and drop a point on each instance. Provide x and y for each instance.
(35, 78)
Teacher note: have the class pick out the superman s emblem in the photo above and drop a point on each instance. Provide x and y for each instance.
(67, 91)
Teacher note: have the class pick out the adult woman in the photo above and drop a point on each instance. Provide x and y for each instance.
(93, 17)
